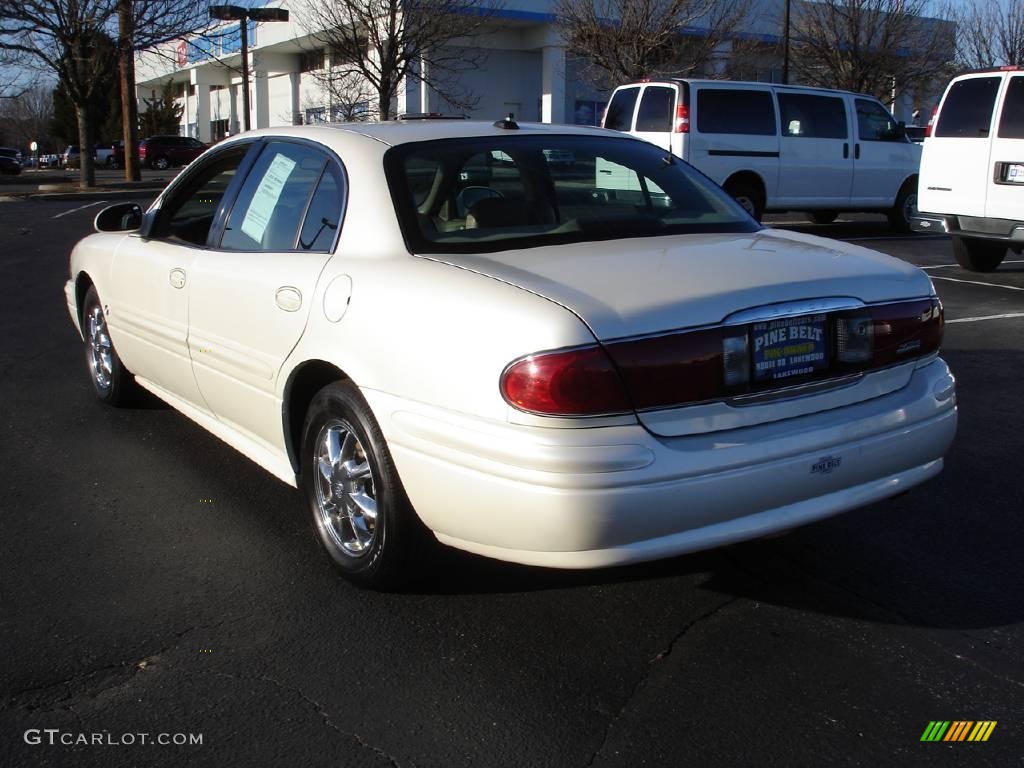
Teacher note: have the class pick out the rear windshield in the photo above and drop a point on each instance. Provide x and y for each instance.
(967, 110)
(482, 195)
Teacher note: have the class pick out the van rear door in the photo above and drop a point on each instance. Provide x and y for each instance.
(1006, 193)
(655, 115)
(950, 180)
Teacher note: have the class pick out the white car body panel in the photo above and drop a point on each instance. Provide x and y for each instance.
(425, 338)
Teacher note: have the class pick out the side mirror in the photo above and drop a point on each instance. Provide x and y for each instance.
(901, 131)
(123, 217)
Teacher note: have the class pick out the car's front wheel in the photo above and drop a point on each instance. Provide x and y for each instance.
(977, 255)
(360, 511)
(161, 164)
(110, 379)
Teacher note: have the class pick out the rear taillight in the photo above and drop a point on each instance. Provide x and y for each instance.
(931, 122)
(574, 382)
(682, 119)
(687, 367)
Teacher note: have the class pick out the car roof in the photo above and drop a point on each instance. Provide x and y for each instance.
(395, 132)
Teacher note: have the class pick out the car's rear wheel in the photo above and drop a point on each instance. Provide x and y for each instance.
(822, 217)
(111, 381)
(977, 255)
(361, 514)
(161, 163)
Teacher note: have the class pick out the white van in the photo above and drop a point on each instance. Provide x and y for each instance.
(972, 172)
(779, 147)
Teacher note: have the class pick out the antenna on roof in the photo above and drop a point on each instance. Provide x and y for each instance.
(509, 123)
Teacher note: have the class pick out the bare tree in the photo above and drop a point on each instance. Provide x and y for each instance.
(67, 38)
(991, 33)
(878, 47)
(28, 116)
(631, 39)
(385, 42)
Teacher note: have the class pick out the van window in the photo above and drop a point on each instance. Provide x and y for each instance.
(812, 117)
(620, 110)
(731, 110)
(656, 109)
(1011, 123)
(874, 123)
(967, 111)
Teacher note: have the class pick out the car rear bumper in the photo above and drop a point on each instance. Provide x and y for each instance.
(581, 498)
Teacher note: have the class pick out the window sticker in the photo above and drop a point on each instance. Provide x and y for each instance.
(267, 194)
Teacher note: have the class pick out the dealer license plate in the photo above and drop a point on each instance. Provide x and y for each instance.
(794, 346)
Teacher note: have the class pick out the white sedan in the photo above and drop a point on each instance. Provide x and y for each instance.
(431, 328)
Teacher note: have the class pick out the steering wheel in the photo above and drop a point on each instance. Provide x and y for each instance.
(470, 196)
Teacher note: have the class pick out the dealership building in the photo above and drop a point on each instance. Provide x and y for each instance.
(526, 71)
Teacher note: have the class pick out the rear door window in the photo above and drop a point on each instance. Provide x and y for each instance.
(1011, 122)
(736, 111)
(813, 117)
(967, 111)
(619, 116)
(656, 109)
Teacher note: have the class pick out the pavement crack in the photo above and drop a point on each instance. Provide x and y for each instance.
(320, 710)
(660, 656)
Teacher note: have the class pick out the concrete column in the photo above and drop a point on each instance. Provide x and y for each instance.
(202, 113)
(294, 80)
(261, 97)
(234, 120)
(552, 84)
(424, 88)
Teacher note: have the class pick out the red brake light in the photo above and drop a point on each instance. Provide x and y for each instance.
(931, 122)
(575, 382)
(682, 119)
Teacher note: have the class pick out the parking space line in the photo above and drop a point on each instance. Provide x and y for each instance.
(79, 208)
(947, 266)
(987, 317)
(976, 282)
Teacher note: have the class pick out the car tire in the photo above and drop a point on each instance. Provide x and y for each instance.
(748, 195)
(906, 206)
(347, 472)
(822, 217)
(161, 164)
(976, 255)
(112, 382)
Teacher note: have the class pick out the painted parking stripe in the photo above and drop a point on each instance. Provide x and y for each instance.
(976, 282)
(987, 317)
(79, 208)
(948, 266)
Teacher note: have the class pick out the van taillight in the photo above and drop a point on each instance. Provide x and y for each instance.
(682, 119)
(931, 122)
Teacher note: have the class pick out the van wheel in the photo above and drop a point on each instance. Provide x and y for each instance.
(748, 195)
(822, 217)
(905, 207)
(978, 255)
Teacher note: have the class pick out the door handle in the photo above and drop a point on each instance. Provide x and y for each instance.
(846, 150)
(177, 277)
(288, 298)
(856, 151)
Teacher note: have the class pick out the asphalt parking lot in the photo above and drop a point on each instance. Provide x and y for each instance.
(152, 581)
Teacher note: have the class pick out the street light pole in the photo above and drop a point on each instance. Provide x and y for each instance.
(243, 15)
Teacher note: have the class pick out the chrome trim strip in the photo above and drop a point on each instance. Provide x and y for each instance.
(797, 390)
(792, 309)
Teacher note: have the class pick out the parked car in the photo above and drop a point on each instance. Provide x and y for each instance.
(10, 161)
(162, 152)
(569, 371)
(972, 172)
(69, 158)
(775, 147)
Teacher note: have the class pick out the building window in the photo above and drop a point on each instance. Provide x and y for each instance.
(350, 113)
(343, 54)
(316, 115)
(588, 112)
(311, 61)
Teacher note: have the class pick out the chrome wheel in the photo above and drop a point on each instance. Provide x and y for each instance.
(101, 362)
(345, 488)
